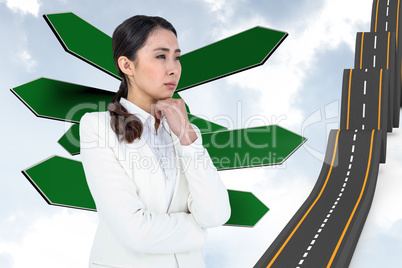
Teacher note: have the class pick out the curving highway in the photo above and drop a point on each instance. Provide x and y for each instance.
(385, 17)
(375, 51)
(325, 230)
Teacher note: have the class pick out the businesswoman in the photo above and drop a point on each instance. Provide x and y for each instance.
(155, 187)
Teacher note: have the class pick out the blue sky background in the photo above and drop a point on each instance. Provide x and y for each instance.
(299, 88)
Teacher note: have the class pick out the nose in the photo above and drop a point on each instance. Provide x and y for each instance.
(174, 67)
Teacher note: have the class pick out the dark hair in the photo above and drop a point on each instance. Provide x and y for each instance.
(127, 38)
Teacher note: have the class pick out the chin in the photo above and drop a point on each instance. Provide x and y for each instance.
(170, 94)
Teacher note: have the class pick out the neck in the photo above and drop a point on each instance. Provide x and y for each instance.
(143, 103)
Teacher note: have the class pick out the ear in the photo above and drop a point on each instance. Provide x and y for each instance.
(126, 65)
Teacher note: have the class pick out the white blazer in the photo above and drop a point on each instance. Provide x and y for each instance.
(136, 229)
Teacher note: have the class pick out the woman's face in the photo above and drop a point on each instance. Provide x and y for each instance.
(156, 69)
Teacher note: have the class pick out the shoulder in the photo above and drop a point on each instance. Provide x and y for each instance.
(95, 117)
(95, 122)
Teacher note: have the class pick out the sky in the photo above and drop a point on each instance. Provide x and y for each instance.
(298, 88)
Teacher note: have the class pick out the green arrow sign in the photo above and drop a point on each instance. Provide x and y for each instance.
(229, 149)
(252, 48)
(59, 100)
(251, 147)
(205, 64)
(71, 139)
(247, 210)
(83, 40)
(65, 101)
(62, 182)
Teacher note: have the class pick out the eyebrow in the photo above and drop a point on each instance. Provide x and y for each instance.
(166, 49)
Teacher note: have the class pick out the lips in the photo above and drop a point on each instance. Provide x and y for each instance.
(171, 85)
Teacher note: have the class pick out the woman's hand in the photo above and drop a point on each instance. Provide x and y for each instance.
(176, 116)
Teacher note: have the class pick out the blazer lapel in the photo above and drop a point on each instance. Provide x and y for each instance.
(176, 203)
(147, 172)
(146, 166)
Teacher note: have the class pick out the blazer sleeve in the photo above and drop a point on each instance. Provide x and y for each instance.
(118, 204)
(208, 200)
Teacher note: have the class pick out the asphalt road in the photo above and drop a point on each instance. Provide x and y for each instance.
(325, 230)
(385, 17)
(365, 102)
(377, 51)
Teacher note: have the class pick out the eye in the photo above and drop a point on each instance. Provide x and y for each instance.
(161, 57)
(178, 58)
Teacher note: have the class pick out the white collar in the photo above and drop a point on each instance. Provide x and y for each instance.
(143, 115)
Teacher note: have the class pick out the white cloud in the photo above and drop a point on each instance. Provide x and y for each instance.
(24, 6)
(64, 240)
(282, 77)
(27, 60)
(223, 9)
(215, 5)
(279, 80)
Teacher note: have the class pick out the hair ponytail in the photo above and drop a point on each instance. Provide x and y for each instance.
(127, 126)
(127, 38)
